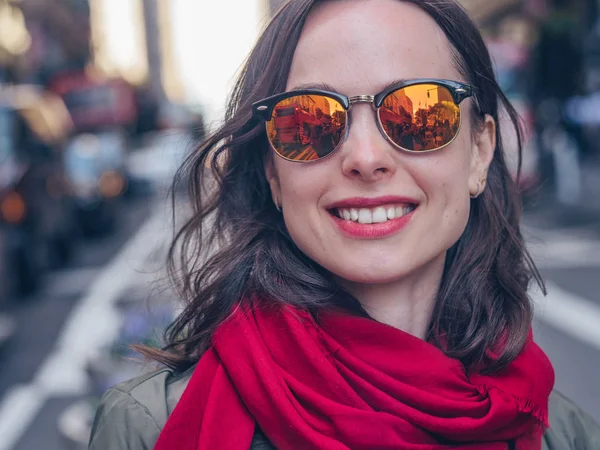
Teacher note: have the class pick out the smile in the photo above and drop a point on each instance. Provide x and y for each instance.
(377, 222)
(379, 214)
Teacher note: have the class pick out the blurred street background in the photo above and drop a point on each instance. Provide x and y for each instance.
(100, 100)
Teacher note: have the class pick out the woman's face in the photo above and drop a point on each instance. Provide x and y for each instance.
(360, 47)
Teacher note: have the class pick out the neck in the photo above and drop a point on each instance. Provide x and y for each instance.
(406, 304)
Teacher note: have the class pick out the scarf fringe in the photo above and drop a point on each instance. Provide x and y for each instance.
(525, 405)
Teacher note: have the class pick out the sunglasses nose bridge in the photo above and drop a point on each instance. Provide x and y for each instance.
(362, 99)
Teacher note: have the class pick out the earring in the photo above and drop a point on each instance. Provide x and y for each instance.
(277, 207)
(478, 190)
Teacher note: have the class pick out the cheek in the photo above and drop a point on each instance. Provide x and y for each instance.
(457, 208)
(299, 187)
(445, 183)
(444, 178)
(301, 190)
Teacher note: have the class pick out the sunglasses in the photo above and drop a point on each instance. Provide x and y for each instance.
(415, 116)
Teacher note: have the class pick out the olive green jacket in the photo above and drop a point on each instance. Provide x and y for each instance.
(132, 414)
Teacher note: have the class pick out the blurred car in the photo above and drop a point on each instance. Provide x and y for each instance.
(176, 118)
(95, 164)
(36, 208)
(97, 103)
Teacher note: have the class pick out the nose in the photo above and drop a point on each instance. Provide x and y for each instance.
(366, 154)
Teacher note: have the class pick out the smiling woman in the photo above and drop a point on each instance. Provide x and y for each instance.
(370, 283)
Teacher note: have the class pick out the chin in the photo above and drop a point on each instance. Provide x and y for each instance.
(377, 274)
(376, 269)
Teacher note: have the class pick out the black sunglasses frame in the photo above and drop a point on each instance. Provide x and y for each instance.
(459, 91)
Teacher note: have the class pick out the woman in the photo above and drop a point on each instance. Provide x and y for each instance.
(371, 297)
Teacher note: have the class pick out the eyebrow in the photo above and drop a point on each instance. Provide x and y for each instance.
(330, 88)
(321, 86)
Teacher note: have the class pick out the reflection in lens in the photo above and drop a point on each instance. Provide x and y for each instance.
(306, 127)
(420, 117)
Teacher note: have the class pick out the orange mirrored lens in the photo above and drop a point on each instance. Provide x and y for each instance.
(420, 117)
(306, 127)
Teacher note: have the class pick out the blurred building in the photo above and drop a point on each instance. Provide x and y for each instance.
(59, 32)
(14, 39)
(399, 102)
(176, 49)
(118, 35)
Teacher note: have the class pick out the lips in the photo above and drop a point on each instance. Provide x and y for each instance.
(369, 218)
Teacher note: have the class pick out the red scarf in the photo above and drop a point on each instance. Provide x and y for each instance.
(351, 383)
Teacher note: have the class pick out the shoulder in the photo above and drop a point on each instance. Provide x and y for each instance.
(131, 415)
(570, 427)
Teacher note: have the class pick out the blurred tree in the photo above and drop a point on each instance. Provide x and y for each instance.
(443, 111)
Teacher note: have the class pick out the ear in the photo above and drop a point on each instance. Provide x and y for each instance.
(484, 145)
(273, 180)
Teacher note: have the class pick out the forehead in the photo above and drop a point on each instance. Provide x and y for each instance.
(361, 46)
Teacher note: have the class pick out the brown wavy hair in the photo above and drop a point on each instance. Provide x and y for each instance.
(235, 243)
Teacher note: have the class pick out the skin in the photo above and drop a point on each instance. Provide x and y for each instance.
(396, 278)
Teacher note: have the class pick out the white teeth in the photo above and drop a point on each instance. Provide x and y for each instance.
(379, 215)
(365, 216)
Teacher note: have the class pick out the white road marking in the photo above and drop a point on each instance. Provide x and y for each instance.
(565, 311)
(93, 324)
(563, 249)
(19, 409)
(573, 315)
(566, 253)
